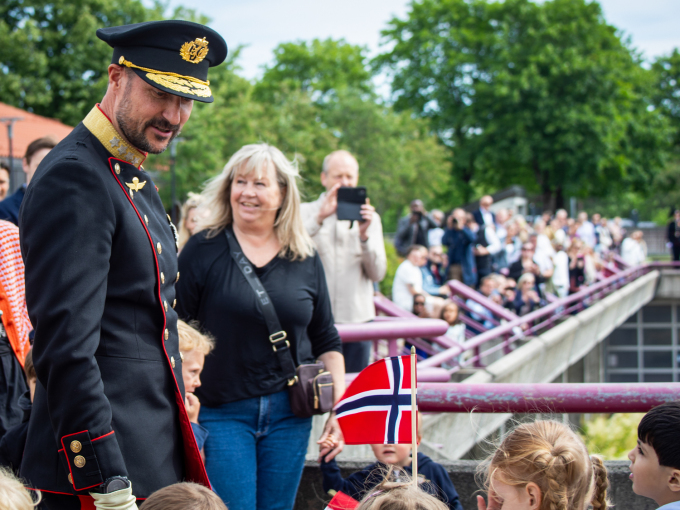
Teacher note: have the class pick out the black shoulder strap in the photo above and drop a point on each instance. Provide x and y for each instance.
(277, 336)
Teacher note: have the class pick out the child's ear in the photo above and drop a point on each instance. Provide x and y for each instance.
(534, 494)
(674, 481)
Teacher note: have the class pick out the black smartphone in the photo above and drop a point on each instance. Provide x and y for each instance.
(350, 201)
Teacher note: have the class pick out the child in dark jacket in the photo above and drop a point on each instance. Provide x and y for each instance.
(14, 441)
(432, 477)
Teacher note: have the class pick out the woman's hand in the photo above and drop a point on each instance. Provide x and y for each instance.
(331, 441)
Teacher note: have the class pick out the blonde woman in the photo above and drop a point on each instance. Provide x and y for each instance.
(256, 448)
(188, 222)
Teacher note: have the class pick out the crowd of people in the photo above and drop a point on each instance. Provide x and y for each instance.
(518, 263)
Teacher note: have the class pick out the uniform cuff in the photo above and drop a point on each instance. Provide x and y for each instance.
(91, 461)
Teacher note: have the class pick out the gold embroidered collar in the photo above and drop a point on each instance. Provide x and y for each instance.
(100, 126)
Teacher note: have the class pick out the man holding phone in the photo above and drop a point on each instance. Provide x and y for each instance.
(352, 252)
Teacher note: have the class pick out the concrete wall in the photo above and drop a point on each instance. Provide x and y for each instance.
(311, 496)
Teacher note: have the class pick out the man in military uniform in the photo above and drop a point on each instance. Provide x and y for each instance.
(108, 419)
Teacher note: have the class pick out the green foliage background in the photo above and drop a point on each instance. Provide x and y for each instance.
(611, 436)
(484, 94)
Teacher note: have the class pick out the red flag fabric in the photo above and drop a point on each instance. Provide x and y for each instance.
(342, 501)
(376, 408)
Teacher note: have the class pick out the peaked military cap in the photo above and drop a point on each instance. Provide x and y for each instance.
(173, 56)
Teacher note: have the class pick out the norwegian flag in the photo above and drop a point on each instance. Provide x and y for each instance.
(342, 501)
(376, 408)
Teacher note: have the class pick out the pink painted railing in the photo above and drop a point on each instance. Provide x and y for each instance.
(504, 336)
(545, 398)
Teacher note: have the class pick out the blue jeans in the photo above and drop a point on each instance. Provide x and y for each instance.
(256, 451)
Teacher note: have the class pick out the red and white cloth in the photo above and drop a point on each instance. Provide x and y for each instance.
(14, 289)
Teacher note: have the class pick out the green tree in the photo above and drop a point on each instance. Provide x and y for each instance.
(666, 71)
(544, 95)
(318, 67)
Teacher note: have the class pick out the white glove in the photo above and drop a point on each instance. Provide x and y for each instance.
(119, 500)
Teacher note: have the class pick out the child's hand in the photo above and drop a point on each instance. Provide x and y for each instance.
(494, 504)
(193, 406)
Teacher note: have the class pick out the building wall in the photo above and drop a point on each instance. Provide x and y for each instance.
(646, 348)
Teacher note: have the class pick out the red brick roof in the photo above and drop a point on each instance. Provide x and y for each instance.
(30, 128)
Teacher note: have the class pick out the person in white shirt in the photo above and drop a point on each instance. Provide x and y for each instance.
(633, 249)
(586, 230)
(352, 253)
(408, 280)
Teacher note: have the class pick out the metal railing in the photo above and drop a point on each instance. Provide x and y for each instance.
(545, 398)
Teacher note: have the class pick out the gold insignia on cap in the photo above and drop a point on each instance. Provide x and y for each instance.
(194, 51)
(180, 85)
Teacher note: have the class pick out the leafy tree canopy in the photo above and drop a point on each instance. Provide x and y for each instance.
(319, 66)
(544, 95)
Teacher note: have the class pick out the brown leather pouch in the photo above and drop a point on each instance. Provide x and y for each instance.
(312, 392)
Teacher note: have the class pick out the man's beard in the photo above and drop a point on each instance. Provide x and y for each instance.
(136, 135)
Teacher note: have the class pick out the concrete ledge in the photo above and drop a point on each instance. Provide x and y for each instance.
(462, 472)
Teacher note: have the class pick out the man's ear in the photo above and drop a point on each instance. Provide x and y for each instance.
(116, 76)
(24, 165)
(674, 481)
(534, 495)
(323, 179)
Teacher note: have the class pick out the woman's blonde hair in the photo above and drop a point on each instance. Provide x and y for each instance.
(193, 202)
(13, 494)
(290, 231)
(190, 338)
(404, 495)
(552, 456)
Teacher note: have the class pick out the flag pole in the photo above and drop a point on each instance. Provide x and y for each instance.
(414, 418)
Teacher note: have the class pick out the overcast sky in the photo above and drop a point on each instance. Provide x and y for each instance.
(263, 24)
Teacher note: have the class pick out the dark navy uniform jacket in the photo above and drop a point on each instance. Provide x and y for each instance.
(101, 264)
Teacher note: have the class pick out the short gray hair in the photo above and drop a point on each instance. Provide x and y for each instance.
(327, 159)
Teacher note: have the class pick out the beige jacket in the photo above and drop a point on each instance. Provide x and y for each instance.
(351, 266)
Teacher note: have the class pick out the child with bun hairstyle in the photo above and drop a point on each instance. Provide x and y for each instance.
(544, 466)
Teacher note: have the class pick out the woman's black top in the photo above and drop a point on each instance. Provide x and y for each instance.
(213, 291)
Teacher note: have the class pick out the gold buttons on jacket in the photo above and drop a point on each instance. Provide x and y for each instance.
(146, 218)
(76, 446)
(79, 461)
(159, 248)
(162, 278)
(70, 479)
(116, 167)
(172, 361)
(177, 277)
(174, 303)
(167, 334)
(165, 305)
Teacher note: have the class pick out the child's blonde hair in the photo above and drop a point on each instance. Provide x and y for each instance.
(13, 494)
(183, 496)
(389, 495)
(552, 456)
(191, 339)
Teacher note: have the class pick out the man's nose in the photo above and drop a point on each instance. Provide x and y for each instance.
(172, 110)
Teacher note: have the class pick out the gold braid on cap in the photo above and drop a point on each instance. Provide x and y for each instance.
(127, 63)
